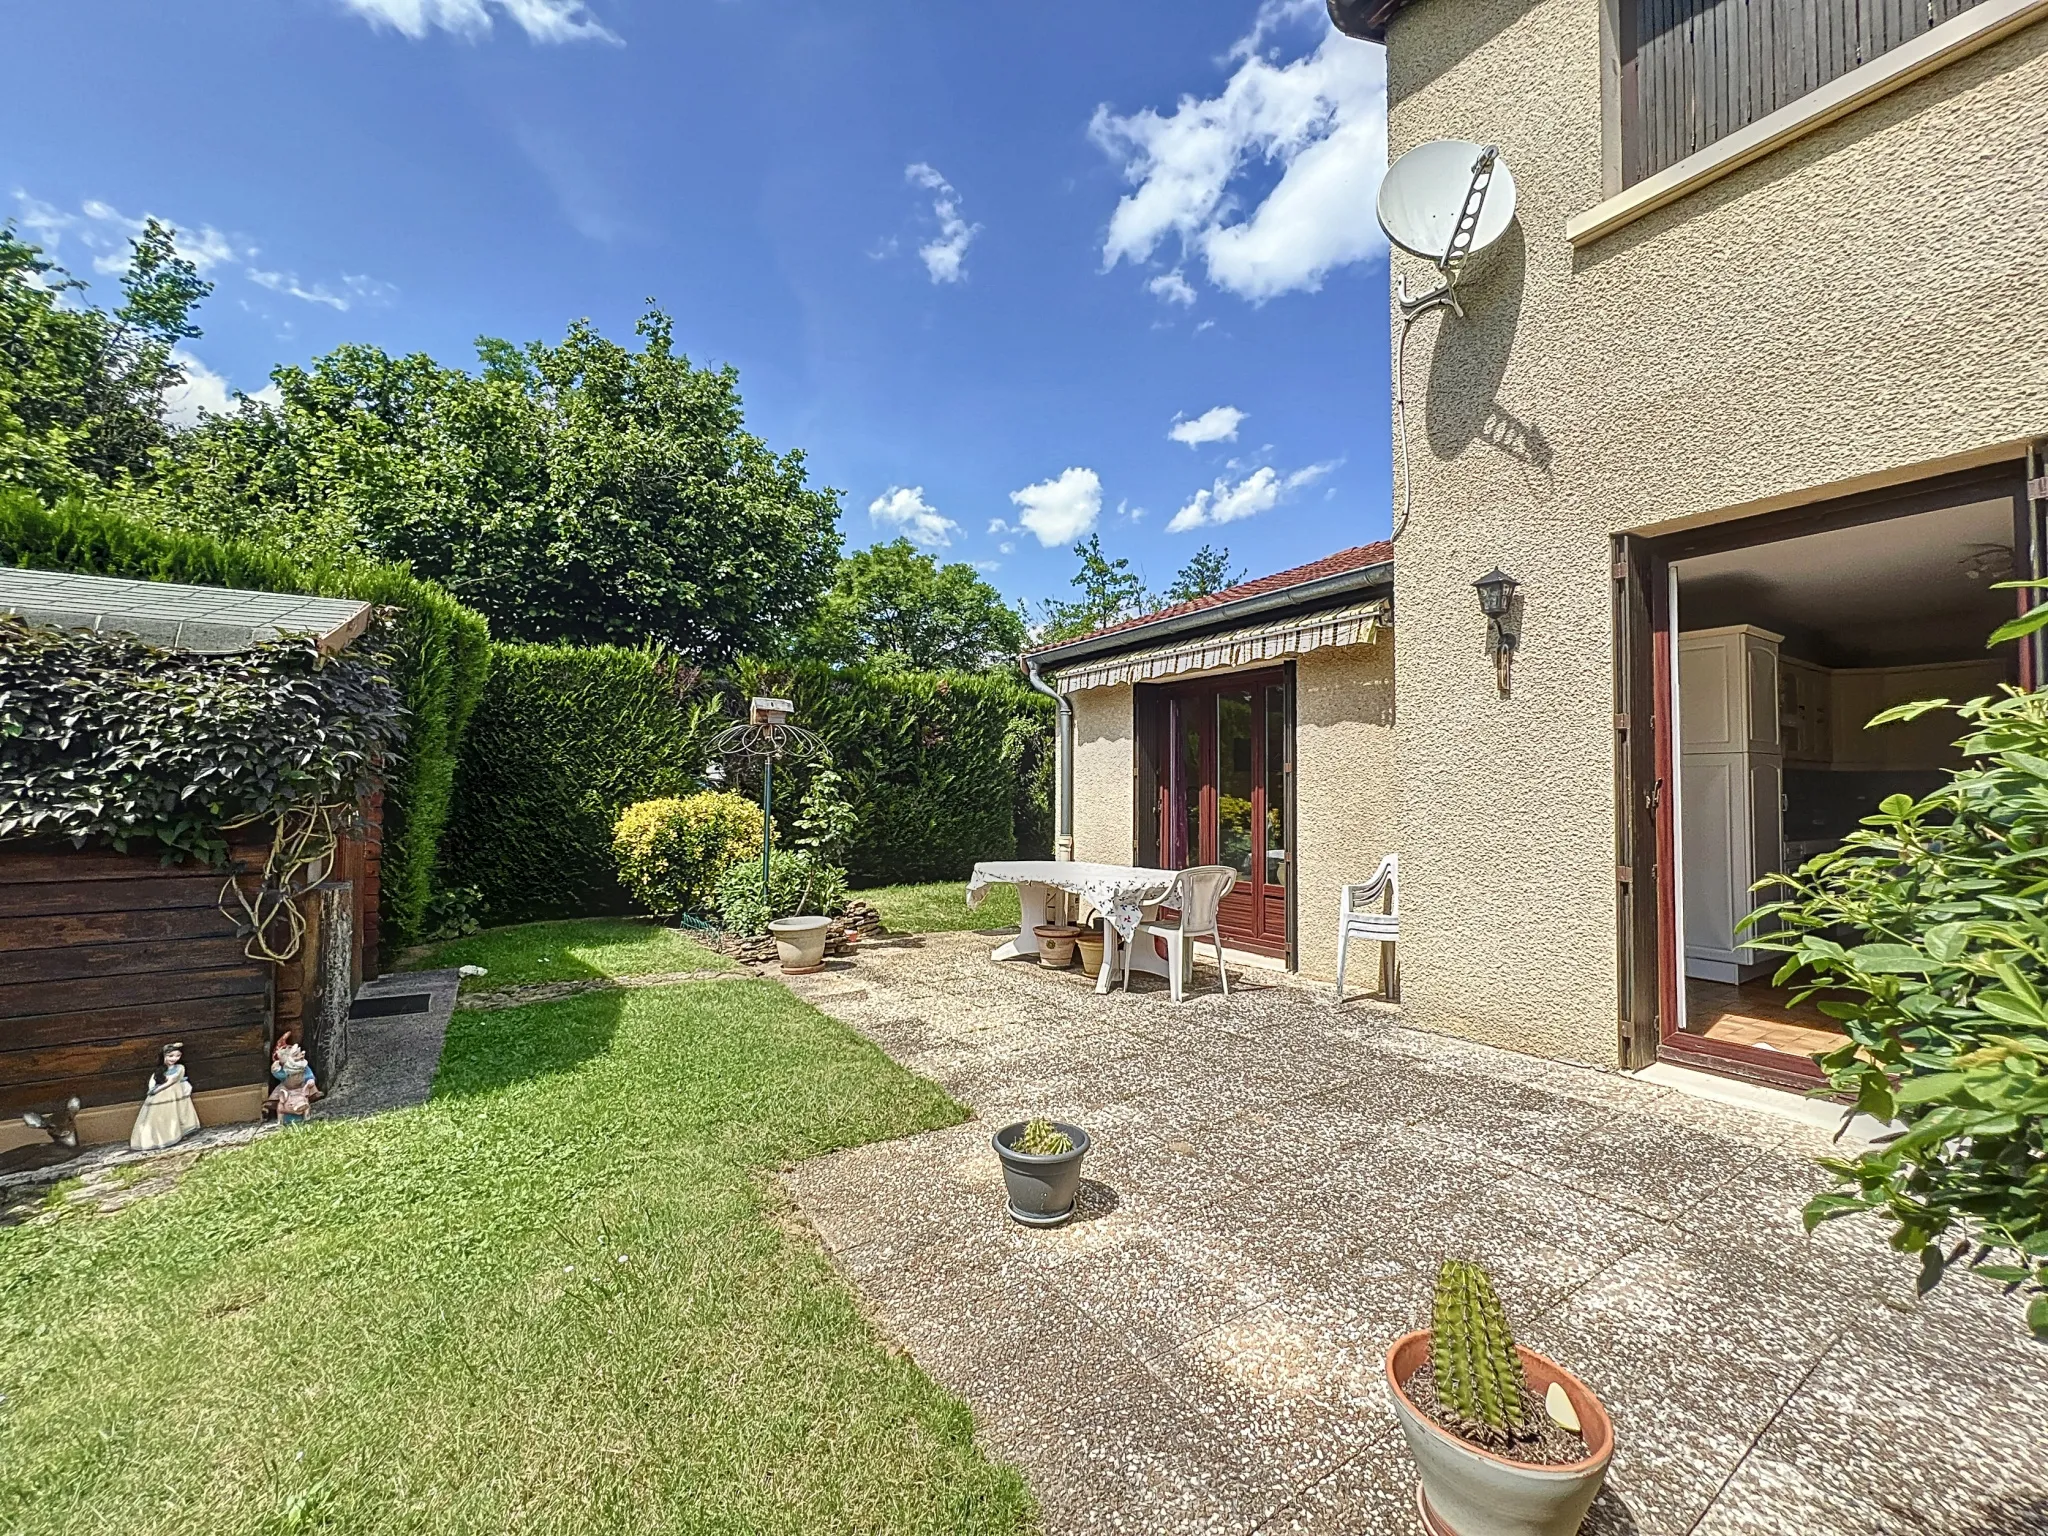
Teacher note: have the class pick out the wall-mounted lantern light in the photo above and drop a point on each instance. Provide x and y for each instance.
(1497, 600)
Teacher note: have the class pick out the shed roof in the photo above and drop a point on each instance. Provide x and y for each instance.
(214, 620)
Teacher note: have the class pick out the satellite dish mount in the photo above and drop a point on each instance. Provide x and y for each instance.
(1450, 262)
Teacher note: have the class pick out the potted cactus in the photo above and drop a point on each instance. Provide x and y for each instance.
(1041, 1161)
(1508, 1442)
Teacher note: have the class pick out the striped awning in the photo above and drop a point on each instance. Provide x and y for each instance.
(1360, 624)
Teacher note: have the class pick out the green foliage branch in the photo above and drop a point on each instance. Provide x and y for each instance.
(671, 851)
(799, 883)
(1944, 1002)
(564, 739)
(438, 652)
(107, 741)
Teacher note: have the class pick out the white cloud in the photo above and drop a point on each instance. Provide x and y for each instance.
(945, 257)
(543, 21)
(106, 231)
(1008, 546)
(1172, 287)
(1260, 491)
(997, 525)
(207, 391)
(988, 565)
(1318, 119)
(1218, 424)
(203, 391)
(1060, 510)
(355, 288)
(905, 509)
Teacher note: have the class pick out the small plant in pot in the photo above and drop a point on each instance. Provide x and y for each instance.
(1508, 1442)
(1041, 1161)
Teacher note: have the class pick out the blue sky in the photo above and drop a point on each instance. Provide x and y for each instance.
(1007, 273)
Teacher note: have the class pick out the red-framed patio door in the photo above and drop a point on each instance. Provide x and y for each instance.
(1227, 767)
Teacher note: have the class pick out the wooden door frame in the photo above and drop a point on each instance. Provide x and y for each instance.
(1646, 775)
(1155, 710)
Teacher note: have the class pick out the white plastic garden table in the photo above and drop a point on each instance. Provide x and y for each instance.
(1120, 892)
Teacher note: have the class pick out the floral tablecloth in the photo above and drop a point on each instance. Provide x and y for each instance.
(1120, 892)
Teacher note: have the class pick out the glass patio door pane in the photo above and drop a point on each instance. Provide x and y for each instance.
(1188, 756)
(1276, 785)
(1235, 832)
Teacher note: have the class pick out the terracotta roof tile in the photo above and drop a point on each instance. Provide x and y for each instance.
(1356, 559)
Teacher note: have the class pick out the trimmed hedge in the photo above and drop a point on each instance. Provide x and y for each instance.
(439, 653)
(565, 738)
(944, 767)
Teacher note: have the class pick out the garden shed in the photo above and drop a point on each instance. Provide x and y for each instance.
(106, 954)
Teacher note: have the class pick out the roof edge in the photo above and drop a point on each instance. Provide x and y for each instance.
(1365, 20)
(1379, 574)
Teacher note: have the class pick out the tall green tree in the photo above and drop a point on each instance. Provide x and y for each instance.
(82, 388)
(584, 492)
(1110, 592)
(1207, 572)
(894, 603)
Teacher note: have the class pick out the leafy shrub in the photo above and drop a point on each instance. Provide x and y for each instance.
(944, 767)
(1944, 1007)
(438, 650)
(798, 885)
(564, 740)
(104, 739)
(671, 851)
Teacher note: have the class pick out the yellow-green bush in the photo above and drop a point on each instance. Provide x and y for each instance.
(671, 851)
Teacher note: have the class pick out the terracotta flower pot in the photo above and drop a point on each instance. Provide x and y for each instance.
(1056, 944)
(1089, 948)
(1467, 1491)
(800, 942)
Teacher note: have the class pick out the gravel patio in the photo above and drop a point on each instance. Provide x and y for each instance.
(1273, 1183)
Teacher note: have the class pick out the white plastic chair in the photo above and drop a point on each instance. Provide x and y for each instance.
(1361, 918)
(1199, 895)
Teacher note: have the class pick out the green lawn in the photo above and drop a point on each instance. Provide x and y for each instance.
(556, 1298)
(942, 908)
(566, 951)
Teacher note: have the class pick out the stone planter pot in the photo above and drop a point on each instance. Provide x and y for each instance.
(1467, 1491)
(1089, 948)
(1041, 1189)
(800, 943)
(1056, 944)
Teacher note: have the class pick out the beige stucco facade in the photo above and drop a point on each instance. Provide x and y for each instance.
(1346, 803)
(1864, 305)
(1105, 743)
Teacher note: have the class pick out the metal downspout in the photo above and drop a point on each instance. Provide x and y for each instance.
(1063, 749)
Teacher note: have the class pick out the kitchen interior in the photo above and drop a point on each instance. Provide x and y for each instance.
(1784, 651)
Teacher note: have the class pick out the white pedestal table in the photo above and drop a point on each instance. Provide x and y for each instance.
(1120, 892)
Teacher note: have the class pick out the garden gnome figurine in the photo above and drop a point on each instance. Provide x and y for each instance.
(293, 1098)
(290, 1057)
(167, 1115)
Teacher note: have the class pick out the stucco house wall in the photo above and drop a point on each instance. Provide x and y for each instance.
(1862, 306)
(1346, 803)
(1105, 739)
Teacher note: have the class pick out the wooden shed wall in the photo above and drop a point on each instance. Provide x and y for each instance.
(106, 957)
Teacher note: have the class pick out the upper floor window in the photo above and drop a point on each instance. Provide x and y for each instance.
(1694, 71)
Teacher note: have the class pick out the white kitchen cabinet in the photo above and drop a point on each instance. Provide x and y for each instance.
(1805, 709)
(1928, 742)
(1731, 792)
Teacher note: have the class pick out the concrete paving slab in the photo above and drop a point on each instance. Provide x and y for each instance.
(1275, 1179)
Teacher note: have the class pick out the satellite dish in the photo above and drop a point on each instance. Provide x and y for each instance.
(1446, 199)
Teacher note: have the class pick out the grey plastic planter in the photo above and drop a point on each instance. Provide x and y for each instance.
(1466, 1491)
(800, 942)
(1041, 1189)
